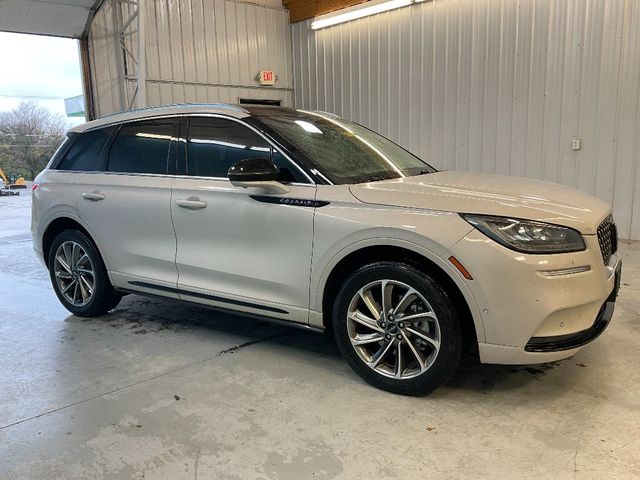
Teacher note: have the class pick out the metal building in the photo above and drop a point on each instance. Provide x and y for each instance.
(161, 52)
(495, 86)
(541, 88)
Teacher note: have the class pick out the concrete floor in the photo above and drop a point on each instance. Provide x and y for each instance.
(163, 390)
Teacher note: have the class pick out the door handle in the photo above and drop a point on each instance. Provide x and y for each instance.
(94, 197)
(191, 204)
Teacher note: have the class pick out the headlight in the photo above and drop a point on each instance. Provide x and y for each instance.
(528, 236)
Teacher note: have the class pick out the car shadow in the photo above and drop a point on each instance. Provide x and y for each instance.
(144, 316)
(475, 376)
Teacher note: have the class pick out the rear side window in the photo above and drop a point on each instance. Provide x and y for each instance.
(215, 144)
(84, 154)
(142, 147)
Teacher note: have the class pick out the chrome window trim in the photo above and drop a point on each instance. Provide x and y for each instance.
(225, 179)
(182, 139)
(130, 120)
(54, 158)
(160, 175)
(125, 174)
(149, 113)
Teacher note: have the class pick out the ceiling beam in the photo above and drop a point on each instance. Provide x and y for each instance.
(58, 18)
(304, 9)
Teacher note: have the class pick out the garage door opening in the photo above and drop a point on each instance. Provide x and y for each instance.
(40, 99)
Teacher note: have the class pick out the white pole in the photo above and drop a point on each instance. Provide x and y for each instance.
(117, 30)
(142, 55)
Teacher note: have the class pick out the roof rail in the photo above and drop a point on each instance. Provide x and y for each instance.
(229, 106)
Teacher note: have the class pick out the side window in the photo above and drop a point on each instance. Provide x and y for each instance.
(84, 154)
(215, 144)
(142, 147)
(288, 173)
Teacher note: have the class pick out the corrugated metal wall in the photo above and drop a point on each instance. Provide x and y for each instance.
(197, 51)
(103, 61)
(497, 86)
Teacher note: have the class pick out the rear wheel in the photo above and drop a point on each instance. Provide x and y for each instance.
(79, 276)
(397, 328)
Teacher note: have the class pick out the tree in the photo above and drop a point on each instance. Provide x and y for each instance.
(29, 135)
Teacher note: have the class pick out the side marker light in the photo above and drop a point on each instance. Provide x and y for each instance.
(465, 273)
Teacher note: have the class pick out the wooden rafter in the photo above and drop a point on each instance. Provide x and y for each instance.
(303, 9)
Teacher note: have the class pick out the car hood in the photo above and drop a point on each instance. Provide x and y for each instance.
(500, 195)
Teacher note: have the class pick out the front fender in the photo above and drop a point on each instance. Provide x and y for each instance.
(341, 230)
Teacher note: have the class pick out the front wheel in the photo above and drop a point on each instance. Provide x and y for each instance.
(79, 276)
(397, 328)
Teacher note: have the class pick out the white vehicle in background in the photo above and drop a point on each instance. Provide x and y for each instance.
(309, 218)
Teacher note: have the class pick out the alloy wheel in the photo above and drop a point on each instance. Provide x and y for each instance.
(74, 273)
(393, 329)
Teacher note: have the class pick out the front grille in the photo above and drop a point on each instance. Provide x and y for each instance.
(608, 238)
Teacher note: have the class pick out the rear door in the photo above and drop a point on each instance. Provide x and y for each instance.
(127, 205)
(239, 248)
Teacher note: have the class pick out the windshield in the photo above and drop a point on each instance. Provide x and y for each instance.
(343, 151)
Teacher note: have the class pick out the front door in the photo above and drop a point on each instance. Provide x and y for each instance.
(239, 248)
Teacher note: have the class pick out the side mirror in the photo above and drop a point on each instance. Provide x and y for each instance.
(258, 173)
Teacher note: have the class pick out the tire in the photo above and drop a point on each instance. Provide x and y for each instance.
(426, 358)
(79, 298)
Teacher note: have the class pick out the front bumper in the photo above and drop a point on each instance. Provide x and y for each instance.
(579, 339)
(538, 308)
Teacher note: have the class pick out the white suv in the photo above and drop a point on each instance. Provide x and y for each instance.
(309, 218)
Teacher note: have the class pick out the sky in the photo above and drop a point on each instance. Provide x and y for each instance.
(43, 69)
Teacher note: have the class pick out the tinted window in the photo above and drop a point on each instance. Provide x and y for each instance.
(84, 154)
(215, 144)
(142, 147)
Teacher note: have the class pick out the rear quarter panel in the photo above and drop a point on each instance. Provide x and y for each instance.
(56, 196)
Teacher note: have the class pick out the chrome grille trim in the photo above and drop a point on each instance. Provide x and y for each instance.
(608, 238)
(566, 271)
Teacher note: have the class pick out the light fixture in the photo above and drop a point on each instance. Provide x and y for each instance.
(359, 11)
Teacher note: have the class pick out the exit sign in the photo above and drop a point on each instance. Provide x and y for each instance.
(267, 77)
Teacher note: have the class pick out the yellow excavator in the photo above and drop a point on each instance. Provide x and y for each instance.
(15, 182)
